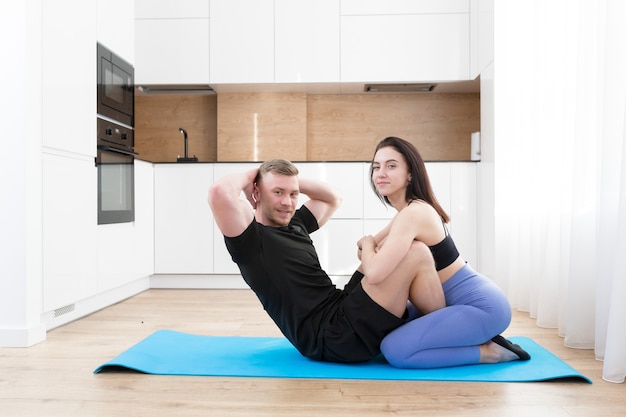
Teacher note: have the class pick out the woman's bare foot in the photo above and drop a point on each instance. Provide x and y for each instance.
(499, 350)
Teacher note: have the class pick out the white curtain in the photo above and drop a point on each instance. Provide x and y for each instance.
(560, 168)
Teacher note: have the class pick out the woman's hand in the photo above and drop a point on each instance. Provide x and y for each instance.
(359, 245)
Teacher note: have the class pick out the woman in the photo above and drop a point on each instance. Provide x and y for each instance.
(465, 331)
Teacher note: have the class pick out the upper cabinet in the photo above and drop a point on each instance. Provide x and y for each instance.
(307, 41)
(168, 9)
(69, 71)
(116, 27)
(242, 41)
(171, 42)
(405, 41)
(274, 41)
(481, 34)
(304, 41)
(69, 76)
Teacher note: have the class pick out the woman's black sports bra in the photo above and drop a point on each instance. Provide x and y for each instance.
(444, 252)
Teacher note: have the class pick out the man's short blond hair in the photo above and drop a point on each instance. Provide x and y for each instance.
(277, 166)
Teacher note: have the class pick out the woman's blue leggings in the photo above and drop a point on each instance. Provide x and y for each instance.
(476, 311)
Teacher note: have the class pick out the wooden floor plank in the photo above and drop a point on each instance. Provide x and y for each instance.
(55, 378)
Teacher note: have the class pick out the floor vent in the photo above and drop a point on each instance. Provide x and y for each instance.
(64, 310)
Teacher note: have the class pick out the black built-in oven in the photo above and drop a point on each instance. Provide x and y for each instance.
(116, 173)
(115, 158)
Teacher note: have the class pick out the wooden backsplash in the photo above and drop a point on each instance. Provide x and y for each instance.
(301, 127)
(348, 127)
(158, 118)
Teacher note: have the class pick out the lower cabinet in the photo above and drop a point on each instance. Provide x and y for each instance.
(69, 230)
(188, 242)
(183, 223)
(82, 259)
(126, 250)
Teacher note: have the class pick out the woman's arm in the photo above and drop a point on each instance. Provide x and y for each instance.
(380, 236)
(379, 260)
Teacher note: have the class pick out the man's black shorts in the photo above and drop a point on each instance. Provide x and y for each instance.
(354, 332)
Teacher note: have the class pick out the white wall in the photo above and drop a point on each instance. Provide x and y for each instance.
(20, 175)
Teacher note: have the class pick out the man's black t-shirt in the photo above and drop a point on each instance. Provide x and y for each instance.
(281, 266)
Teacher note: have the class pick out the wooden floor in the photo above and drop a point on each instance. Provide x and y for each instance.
(55, 378)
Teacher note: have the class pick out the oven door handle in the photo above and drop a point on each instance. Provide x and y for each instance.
(110, 149)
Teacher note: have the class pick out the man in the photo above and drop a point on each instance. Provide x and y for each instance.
(271, 245)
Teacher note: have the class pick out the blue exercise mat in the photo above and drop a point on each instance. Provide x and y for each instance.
(167, 352)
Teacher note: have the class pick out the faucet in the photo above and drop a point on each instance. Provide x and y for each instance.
(184, 132)
(186, 158)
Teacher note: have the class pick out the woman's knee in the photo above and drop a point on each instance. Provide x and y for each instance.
(391, 349)
(421, 256)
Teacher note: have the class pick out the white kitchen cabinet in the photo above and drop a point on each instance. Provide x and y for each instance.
(183, 222)
(481, 35)
(439, 174)
(336, 245)
(307, 41)
(168, 9)
(172, 51)
(172, 42)
(274, 41)
(377, 7)
(69, 76)
(116, 27)
(144, 218)
(242, 41)
(126, 250)
(346, 177)
(405, 48)
(405, 40)
(464, 209)
(69, 230)
(299, 41)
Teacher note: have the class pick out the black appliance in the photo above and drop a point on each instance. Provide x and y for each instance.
(116, 87)
(115, 157)
(116, 173)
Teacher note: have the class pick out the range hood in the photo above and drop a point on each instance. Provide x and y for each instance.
(440, 87)
(399, 88)
(200, 89)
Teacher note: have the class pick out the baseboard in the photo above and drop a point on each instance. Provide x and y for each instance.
(23, 337)
(198, 281)
(82, 308)
(213, 281)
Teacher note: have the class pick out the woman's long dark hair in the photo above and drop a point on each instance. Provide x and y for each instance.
(419, 187)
